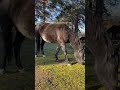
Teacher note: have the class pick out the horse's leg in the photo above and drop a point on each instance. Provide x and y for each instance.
(42, 47)
(57, 51)
(9, 47)
(3, 52)
(63, 46)
(17, 45)
(2, 58)
(37, 41)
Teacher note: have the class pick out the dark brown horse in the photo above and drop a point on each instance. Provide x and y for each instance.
(5, 40)
(7, 43)
(61, 34)
(21, 14)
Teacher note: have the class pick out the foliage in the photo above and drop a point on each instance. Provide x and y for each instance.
(62, 10)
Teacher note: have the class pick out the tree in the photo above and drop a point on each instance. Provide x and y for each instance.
(100, 45)
(65, 11)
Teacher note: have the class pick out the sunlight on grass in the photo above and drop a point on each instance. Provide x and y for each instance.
(58, 76)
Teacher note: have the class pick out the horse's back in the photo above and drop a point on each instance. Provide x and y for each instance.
(55, 33)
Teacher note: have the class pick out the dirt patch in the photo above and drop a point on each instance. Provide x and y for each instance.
(40, 76)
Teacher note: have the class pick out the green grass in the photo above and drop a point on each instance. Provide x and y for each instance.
(58, 76)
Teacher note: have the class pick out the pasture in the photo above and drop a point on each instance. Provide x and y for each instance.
(12, 79)
(51, 75)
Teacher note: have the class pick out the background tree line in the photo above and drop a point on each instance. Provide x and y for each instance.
(61, 11)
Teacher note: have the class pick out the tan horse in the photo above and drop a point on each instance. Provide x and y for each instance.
(61, 34)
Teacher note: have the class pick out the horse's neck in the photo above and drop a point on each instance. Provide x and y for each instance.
(75, 45)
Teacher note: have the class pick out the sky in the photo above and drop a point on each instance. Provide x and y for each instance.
(81, 27)
(55, 13)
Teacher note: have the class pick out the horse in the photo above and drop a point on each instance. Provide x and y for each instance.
(8, 44)
(6, 40)
(39, 45)
(21, 14)
(19, 38)
(60, 34)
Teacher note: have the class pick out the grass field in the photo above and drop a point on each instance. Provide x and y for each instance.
(12, 79)
(51, 75)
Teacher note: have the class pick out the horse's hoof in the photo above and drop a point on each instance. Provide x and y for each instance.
(21, 70)
(38, 55)
(2, 71)
(68, 64)
(57, 60)
(35, 56)
(44, 56)
(83, 63)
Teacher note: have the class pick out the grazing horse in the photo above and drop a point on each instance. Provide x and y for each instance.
(21, 14)
(60, 34)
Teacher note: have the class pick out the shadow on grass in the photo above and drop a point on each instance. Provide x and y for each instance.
(12, 72)
(53, 61)
(119, 72)
(95, 87)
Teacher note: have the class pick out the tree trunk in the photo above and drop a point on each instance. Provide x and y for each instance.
(44, 17)
(99, 44)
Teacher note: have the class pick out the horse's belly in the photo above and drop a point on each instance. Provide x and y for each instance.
(48, 39)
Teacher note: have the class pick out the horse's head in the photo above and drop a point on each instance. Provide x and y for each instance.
(80, 52)
(79, 56)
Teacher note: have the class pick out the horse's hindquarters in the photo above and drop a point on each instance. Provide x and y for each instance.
(24, 19)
